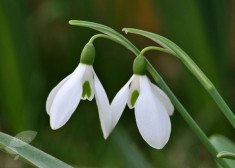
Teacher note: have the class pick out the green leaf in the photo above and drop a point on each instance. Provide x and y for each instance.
(107, 30)
(221, 143)
(29, 154)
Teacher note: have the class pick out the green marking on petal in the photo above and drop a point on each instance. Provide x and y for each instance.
(86, 89)
(134, 96)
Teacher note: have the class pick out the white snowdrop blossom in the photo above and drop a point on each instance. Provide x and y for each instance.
(152, 109)
(83, 84)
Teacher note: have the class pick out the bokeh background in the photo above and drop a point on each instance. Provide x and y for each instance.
(38, 48)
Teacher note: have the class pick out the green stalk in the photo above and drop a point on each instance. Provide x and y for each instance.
(192, 66)
(158, 79)
(92, 39)
(157, 49)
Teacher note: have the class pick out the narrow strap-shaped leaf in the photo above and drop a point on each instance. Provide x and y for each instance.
(122, 40)
(106, 30)
(29, 153)
(192, 66)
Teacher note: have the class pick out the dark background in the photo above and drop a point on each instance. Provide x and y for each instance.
(38, 48)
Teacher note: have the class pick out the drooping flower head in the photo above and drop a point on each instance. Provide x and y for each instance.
(83, 84)
(152, 106)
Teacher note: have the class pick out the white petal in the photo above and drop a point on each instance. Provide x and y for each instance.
(53, 92)
(152, 119)
(67, 99)
(91, 81)
(103, 107)
(88, 76)
(119, 103)
(164, 99)
(135, 85)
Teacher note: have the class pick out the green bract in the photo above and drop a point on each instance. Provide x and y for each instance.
(139, 66)
(29, 154)
(88, 54)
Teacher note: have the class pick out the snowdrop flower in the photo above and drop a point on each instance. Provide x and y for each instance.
(83, 84)
(151, 104)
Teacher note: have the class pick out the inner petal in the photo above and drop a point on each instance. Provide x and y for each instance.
(134, 96)
(134, 92)
(88, 84)
(86, 93)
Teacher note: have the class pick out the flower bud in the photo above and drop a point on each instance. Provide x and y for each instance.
(88, 54)
(139, 65)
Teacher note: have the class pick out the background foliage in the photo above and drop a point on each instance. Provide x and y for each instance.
(38, 48)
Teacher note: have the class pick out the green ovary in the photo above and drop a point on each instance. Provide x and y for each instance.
(86, 89)
(134, 96)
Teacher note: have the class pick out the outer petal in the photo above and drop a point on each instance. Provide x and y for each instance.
(119, 103)
(53, 92)
(103, 107)
(163, 98)
(151, 116)
(67, 99)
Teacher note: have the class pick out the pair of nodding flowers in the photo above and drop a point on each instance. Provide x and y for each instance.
(152, 106)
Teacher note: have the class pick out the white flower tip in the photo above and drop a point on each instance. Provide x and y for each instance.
(48, 104)
(55, 125)
(54, 128)
(171, 112)
(105, 137)
(48, 113)
(170, 109)
(158, 147)
(47, 108)
(158, 144)
(106, 134)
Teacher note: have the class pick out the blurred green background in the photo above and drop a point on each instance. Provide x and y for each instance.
(38, 48)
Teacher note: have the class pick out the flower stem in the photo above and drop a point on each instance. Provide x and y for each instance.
(155, 48)
(92, 39)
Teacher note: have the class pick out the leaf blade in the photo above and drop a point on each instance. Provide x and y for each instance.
(106, 30)
(30, 154)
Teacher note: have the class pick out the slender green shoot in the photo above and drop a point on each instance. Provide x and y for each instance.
(156, 49)
(92, 39)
